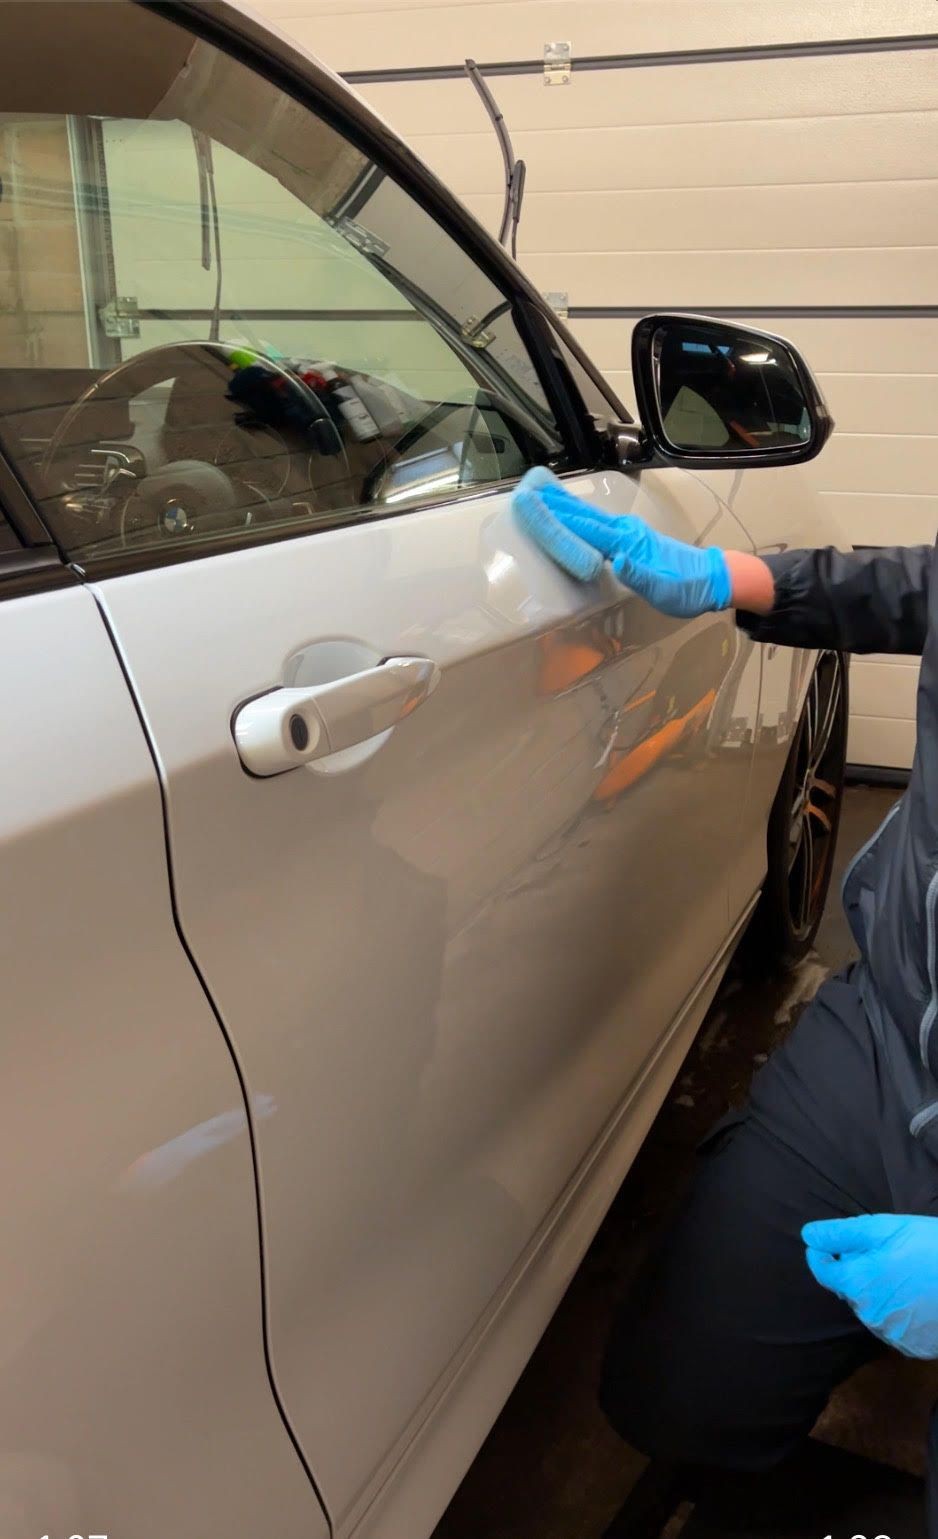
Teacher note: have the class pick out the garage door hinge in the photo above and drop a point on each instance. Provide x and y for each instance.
(559, 302)
(558, 62)
(472, 331)
(363, 240)
(120, 317)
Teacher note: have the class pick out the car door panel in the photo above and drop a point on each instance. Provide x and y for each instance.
(447, 963)
(135, 1391)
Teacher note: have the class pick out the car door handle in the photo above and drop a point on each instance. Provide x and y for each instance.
(288, 727)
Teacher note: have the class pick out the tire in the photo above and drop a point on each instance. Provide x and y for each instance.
(803, 825)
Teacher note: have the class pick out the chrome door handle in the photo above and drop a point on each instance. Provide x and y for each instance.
(288, 727)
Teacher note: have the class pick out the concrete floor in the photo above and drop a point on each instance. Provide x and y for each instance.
(551, 1468)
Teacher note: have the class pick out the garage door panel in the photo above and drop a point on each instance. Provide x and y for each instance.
(421, 33)
(678, 279)
(884, 689)
(831, 344)
(767, 153)
(881, 740)
(883, 403)
(857, 463)
(718, 218)
(884, 518)
(867, 345)
(748, 92)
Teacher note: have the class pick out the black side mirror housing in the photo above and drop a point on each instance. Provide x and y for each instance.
(714, 395)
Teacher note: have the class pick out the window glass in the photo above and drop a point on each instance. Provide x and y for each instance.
(600, 400)
(222, 317)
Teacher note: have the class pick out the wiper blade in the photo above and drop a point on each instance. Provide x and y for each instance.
(515, 170)
(208, 202)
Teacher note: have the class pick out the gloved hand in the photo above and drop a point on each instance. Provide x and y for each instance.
(885, 1266)
(678, 579)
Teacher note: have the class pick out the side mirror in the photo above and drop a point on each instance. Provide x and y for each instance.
(712, 394)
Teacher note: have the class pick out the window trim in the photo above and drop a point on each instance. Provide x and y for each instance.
(617, 408)
(116, 563)
(19, 510)
(585, 428)
(36, 570)
(38, 565)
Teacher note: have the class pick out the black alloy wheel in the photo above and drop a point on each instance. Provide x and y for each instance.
(803, 826)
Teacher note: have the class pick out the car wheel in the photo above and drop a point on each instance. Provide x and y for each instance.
(803, 825)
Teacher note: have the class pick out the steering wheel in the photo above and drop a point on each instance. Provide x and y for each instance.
(188, 496)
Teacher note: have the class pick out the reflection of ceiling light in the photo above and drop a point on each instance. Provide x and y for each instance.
(499, 566)
(418, 488)
(755, 358)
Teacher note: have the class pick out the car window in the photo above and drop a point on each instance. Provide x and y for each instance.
(597, 395)
(227, 319)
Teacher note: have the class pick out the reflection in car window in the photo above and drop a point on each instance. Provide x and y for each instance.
(228, 319)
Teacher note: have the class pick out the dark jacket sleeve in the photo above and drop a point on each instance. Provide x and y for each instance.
(866, 601)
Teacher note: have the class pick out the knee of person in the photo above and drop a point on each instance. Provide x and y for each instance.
(665, 1401)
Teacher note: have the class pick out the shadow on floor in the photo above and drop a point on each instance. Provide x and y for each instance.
(827, 1491)
(551, 1468)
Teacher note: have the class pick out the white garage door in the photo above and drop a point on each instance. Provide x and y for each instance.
(775, 159)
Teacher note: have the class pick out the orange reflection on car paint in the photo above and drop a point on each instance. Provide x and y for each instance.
(631, 765)
(570, 655)
(573, 654)
(633, 705)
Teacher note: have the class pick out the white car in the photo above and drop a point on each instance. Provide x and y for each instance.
(364, 880)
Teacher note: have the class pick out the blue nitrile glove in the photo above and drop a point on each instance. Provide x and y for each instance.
(678, 579)
(885, 1266)
(580, 559)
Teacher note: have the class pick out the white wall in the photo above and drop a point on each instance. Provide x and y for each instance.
(806, 182)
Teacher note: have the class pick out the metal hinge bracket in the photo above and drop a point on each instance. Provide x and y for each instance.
(119, 316)
(363, 240)
(558, 63)
(472, 332)
(559, 302)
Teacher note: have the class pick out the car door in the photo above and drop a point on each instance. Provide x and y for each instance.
(131, 1332)
(448, 961)
(445, 846)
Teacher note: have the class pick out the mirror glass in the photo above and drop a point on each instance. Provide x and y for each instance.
(722, 389)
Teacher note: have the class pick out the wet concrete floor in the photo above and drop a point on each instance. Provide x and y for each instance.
(551, 1468)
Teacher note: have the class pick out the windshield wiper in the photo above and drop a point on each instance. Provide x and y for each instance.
(515, 170)
(208, 202)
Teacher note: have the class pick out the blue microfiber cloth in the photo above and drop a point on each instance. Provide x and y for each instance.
(571, 553)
